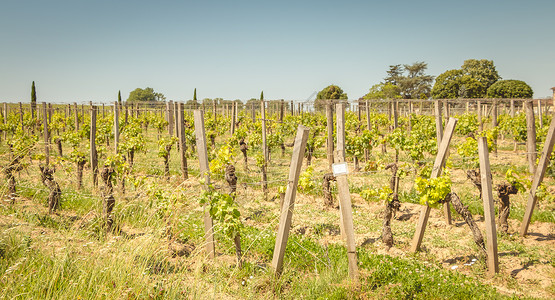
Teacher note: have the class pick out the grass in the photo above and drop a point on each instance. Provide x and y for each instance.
(70, 256)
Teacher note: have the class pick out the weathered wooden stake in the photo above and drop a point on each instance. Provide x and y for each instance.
(530, 136)
(436, 171)
(116, 126)
(264, 149)
(489, 209)
(479, 115)
(233, 118)
(205, 172)
(182, 144)
(289, 201)
(344, 195)
(538, 178)
(46, 135)
(439, 136)
(94, 157)
(329, 126)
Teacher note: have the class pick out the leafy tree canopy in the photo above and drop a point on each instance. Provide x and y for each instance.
(145, 95)
(482, 70)
(383, 91)
(472, 80)
(412, 80)
(510, 89)
(331, 92)
(453, 84)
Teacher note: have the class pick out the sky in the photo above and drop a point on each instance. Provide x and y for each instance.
(80, 51)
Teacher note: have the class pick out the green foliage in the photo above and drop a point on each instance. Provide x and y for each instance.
(145, 95)
(331, 92)
(514, 180)
(467, 124)
(132, 137)
(33, 96)
(482, 70)
(224, 157)
(455, 84)
(510, 89)
(163, 144)
(383, 91)
(415, 84)
(432, 191)
(223, 210)
(306, 184)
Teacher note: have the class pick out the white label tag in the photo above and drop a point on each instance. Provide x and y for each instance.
(339, 169)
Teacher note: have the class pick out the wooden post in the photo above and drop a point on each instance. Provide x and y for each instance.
(512, 108)
(169, 111)
(538, 178)
(344, 195)
(21, 115)
(530, 136)
(45, 132)
(439, 136)
(436, 172)
(540, 114)
(329, 126)
(281, 110)
(494, 123)
(182, 145)
(94, 158)
(264, 149)
(439, 122)
(489, 209)
(205, 172)
(175, 116)
(214, 110)
(116, 126)
(233, 118)
(479, 115)
(289, 200)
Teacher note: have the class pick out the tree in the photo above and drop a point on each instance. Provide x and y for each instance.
(195, 95)
(119, 98)
(145, 95)
(383, 91)
(482, 70)
(331, 92)
(510, 89)
(453, 84)
(395, 72)
(416, 84)
(33, 100)
(472, 80)
(262, 95)
(412, 80)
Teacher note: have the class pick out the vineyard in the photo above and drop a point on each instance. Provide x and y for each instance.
(419, 199)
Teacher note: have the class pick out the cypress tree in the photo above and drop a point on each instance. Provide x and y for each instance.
(195, 95)
(33, 100)
(119, 98)
(262, 95)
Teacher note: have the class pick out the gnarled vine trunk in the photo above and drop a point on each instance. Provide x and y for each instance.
(80, 167)
(108, 196)
(231, 179)
(462, 210)
(58, 142)
(14, 166)
(243, 147)
(326, 186)
(47, 178)
(504, 190)
(391, 207)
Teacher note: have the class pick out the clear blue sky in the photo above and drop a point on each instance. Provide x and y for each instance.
(88, 50)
